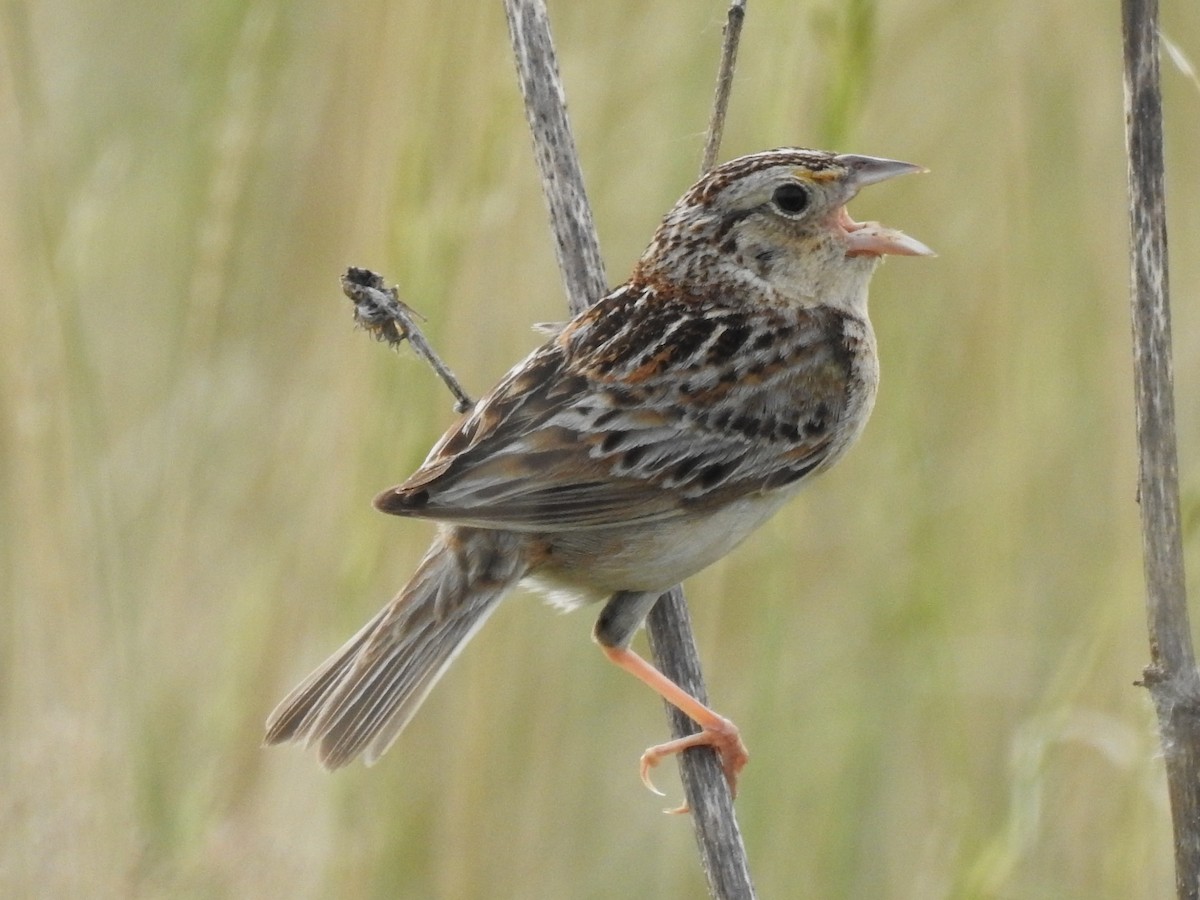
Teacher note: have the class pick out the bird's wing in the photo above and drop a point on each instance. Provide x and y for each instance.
(643, 408)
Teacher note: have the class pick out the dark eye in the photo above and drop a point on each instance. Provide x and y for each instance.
(790, 199)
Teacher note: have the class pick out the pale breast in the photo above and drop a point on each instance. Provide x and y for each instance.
(587, 566)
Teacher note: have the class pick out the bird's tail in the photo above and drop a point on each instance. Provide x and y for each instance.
(361, 698)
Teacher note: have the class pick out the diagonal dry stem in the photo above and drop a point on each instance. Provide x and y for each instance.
(721, 848)
(732, 34)
(380, 311)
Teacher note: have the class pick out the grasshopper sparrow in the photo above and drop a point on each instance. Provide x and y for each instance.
(646, 439)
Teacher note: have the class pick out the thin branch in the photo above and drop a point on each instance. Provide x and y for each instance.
(1171, 676)
(575, 240)
(729, 50)
(380, 311)
(721, 849)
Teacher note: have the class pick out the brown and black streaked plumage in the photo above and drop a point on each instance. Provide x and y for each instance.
(647, 438)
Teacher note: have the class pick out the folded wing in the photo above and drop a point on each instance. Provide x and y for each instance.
(644, 408)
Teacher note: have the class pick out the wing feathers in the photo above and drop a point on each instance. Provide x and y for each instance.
(631, 414)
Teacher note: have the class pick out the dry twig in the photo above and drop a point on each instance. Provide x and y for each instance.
(1171, 677)
(729, 50)
(380, 311)
(721, 849)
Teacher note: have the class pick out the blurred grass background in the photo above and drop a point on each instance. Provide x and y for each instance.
(930, 654)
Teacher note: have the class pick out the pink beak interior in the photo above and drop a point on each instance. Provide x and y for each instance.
(871, 238)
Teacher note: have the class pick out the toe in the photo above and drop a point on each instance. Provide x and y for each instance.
(724, 739)
(650, 759)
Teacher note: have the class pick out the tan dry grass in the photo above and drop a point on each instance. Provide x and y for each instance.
(930, 653)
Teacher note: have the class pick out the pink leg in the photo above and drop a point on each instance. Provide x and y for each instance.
(716, 731)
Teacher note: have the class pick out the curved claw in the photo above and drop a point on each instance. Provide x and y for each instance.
(725, 739)
(649, 761)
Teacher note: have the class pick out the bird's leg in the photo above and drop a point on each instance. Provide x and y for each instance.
(618, 622)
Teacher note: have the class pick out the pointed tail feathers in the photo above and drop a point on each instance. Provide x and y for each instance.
(360, 699)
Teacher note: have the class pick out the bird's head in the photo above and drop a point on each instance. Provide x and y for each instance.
(777, 221)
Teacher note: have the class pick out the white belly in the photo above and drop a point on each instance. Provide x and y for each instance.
(587, 566)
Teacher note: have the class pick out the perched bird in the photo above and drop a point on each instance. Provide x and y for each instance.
(645, 440)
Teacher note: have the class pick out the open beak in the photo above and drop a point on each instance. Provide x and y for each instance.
(871, 238)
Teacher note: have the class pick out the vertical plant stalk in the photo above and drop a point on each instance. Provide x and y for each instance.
(1171, 676)
(722, 852)
(575, 240)
(732, 38)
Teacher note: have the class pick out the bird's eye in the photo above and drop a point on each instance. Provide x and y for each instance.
(790, 199)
